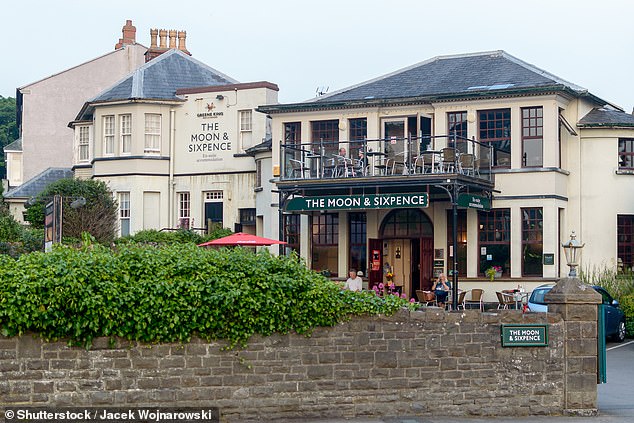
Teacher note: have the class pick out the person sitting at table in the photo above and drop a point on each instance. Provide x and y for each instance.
(354, 282)
(344, 165)
(441, 288)
(362, 163)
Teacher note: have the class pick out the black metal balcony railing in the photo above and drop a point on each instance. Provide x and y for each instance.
(387, 157)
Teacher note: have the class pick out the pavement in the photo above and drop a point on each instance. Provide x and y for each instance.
(616, 399)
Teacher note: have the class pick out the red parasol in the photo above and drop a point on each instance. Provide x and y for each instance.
(243, 239)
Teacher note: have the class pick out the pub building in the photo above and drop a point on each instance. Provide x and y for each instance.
(175, 140)
(457, 164)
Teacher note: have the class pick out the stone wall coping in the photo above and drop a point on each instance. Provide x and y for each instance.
(572, 291)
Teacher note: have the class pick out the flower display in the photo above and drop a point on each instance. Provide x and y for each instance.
(492, 271)
(389, 276)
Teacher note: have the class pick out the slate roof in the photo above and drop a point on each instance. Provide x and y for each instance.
(14, 146)
(161, 77)
(35, 185)
(606, 117)
(265, 145)
(445, 77)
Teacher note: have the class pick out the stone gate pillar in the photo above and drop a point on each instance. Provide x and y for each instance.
(577, 303)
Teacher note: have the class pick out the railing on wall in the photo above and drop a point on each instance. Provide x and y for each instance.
(444, 154)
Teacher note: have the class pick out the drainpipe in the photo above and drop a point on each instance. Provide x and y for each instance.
(171, 183)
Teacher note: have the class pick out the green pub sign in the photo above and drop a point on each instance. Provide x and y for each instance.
(530, 335)
(474, 202)
(361, 201)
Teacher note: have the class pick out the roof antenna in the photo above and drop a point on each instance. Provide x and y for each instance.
(321, 91)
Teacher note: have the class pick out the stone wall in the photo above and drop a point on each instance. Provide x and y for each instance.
(421, 363)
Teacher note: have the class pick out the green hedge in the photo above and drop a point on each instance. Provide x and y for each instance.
(170, 293)
(154, 237)
(627, 305)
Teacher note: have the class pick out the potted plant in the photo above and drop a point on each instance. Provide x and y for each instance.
(493, 272)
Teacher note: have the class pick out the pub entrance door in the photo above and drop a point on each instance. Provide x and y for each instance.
(405, 249)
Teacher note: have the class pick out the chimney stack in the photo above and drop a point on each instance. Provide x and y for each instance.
(182, 35)
(163, 34)
(153, 37)
(129, 35)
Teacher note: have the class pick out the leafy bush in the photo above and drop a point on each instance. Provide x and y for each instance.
(170, 293)
(16, 239)
(152, 236)
(97, 217)
(627, 305)
(620, 285)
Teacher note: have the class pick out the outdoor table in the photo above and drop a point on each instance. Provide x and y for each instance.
(373, 155)
(317, 159)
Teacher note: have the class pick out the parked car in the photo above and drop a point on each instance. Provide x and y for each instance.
(614, 316)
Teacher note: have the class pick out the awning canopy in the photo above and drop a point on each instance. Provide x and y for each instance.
(240, 238)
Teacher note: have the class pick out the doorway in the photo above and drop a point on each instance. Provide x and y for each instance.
(406, 250)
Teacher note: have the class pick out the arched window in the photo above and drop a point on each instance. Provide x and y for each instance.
(406, 223)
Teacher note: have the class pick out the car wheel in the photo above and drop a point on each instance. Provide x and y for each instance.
(620, 333)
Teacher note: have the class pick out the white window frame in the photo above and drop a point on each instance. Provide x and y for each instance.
(126, 133)
(83, 144)
(153, 133)
(109, 125)
(246, 128)
(124, 211)
(211, 196)
(184, 209)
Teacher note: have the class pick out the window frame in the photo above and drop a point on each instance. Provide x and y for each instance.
(109, 134)
(184, 209)
(624, 143)
(292, 232)
(625, 240)
(357, 134)
(151, 135)
(325, 235)
(536, 124)
(461, 231)
(124, 200)
(245, 128)
(537, 230)
(328, 131)
(357, 240)
(83, 144)
(489, 224)
(125, 133)
(458, 136)
(492, 125)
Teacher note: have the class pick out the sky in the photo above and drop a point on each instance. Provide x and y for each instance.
(303, 45)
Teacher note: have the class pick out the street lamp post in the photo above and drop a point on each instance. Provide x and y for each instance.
(572, 250)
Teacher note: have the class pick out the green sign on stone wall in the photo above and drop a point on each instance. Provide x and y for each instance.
(362, 201)
(474, 202)
(529, 335)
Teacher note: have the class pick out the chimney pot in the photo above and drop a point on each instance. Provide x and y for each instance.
(182, 35)
(172, 38)
(163, 37)
(153, 36)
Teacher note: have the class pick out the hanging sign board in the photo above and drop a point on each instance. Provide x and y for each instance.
(355, 202)
(474, 202)
(529, 335)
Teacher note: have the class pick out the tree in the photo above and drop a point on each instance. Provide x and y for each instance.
(8, 127)
(97, 217)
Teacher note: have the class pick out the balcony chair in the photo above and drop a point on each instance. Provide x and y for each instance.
(298, 169)
(467, 164)
(448, 155)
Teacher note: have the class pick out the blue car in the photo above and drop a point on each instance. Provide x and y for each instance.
(614, 316)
